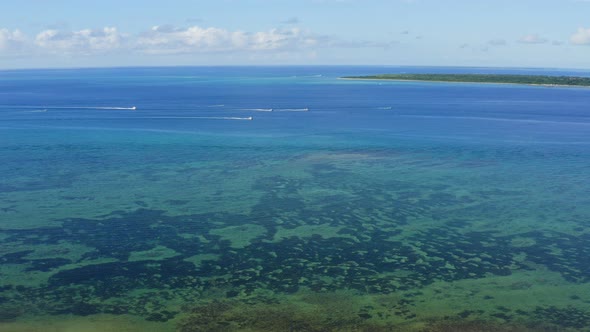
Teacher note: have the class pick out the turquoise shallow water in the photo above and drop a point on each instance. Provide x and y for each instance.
(352, 206)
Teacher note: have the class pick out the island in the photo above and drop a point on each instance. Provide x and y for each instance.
(544, 80)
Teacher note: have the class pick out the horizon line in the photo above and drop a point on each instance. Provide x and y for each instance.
(287, 65)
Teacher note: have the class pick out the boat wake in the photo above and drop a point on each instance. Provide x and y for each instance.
(36, 111)
(45, 108)
(292, 109)
(257, 109)
(384, 108)
(133, 108)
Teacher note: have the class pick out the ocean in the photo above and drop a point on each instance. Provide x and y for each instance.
(286, 199)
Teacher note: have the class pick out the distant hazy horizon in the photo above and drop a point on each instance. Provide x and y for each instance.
(384, 66)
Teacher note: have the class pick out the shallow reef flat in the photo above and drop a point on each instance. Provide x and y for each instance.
(393, 238)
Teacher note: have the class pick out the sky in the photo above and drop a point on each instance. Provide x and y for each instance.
(487, 33)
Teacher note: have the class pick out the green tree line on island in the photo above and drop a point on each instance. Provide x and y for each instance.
(483, 78)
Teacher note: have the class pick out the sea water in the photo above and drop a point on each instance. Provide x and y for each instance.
(287, 199)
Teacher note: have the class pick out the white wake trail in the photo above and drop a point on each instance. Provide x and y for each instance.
(292, 109)
(132, 108)
(257, 109)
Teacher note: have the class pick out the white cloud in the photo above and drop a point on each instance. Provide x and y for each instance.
(11, 41)
(581, 37)
(532, 39)
(79, 42)
(168, 39)
(195, 39)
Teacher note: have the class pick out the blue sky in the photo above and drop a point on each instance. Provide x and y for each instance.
(505, 33)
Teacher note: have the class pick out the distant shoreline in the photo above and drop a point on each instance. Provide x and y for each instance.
(531, 80)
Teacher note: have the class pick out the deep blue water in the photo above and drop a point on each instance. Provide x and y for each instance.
(440, 112)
